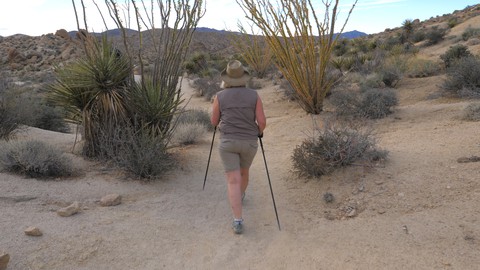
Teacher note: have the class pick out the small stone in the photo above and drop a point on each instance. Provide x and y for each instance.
(351, 212)
(4, 259)
(69, 210)
(111, 200)
(328, 197)
(379, 182)
(33, 231)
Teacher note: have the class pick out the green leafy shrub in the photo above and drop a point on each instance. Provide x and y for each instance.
(372, 103)
(463, 77)
(34, 159)
(333, 147)
(454, 53)
(472, 112)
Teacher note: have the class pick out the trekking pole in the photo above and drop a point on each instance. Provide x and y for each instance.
(209, 156)
(269, 182)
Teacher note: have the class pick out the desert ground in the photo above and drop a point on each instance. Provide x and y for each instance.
(419, 210)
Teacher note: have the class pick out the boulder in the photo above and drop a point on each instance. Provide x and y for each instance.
(63, 34)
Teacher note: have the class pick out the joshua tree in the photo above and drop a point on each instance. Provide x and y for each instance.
(301, 43)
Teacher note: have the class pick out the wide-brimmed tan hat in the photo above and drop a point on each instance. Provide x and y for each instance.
(235, 74)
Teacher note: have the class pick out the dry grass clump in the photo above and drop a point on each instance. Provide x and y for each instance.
(191, 126)
(206, 87)
(334, 146)
(421, 68)
(189, 133)
(34, 159)
(472, 112)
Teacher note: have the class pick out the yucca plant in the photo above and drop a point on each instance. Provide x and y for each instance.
(92, 90)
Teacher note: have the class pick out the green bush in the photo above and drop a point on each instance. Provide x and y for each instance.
(372, 103)
(9, 119)
(454, 53)
(472, 112)
(463, 77)
(333, 147)
(34, 159)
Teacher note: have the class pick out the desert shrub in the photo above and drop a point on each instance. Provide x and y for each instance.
(472, 112)
(136, 151)
(377, 103)
(418, 36)
(420, 68)
(188, 133)
(288, 90)
(454, 53)
(463, 77)
(206, 87)
(435, 35)
(392, 70)
(194, 116)
(34, 159)
(452, 22)
(470, 33)
(372, 80)
(372, 103)
(332, 147)
(8, 121)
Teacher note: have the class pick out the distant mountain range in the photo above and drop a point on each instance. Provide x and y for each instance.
(117, 32)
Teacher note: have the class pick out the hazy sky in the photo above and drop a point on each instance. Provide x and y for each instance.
(37, 17)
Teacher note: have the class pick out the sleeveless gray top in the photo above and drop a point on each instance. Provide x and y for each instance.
(237, 113)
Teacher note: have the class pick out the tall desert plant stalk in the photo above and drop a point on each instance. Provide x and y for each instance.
(302, 45)
(254, 50)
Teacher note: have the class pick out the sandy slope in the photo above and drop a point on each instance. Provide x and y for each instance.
(419, 211)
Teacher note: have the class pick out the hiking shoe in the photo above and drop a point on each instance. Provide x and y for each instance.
(237, 226)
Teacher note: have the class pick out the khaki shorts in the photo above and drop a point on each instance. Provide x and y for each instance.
(237, 154)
